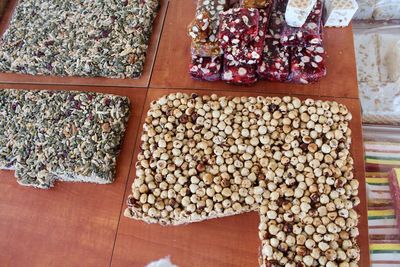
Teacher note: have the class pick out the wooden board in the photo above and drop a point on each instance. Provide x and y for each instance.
(143, 81)
(231, 241)
(72, 224)
(172, 64)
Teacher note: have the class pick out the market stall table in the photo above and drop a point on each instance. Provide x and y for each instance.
(83, 224)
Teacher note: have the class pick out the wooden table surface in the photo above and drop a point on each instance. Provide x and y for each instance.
(77, 224)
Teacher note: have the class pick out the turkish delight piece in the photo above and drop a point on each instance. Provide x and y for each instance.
(239, 73)
(389, 56)
(208, 49)
(274, 65)
(199, 28)
(308, 34)
(366, 48)
(238, 26)
(297, 11)
(206, 68)
(255, 3)
(339, 12)
(365, 9)
(251, 52)
(386, 10)
(393, 63)
(307, 64)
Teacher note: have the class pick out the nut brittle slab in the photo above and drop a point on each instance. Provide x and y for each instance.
(108, 39)
(69, 136)
(204, 157)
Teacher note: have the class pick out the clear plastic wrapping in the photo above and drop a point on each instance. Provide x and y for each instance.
(382, 158)
(250, 51)
(378, 67)
(378, 10)
(206, 68)
(239, 73)
(238, 26)
(274, 65)
(307, 64)
(308, 34)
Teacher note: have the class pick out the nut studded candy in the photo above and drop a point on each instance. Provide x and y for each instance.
(297, 11)
(255, 3)
(68, 136)
(208, 49)
(238, 26)
(250, 53)
(213, 8)
(206, 68)
(239, 73)
(204, 157)
(274, 65)
(309, 33)
(199, 28)
(11, 122)
(277, 19)
(307, 64)
(339, 12)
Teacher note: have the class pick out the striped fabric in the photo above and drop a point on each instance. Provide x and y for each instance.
(381, 159)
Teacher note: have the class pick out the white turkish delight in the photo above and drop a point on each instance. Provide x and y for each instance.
(297, 11)
(366, 48)
(387, 9)
(365, 9)
(389, 53)
(339, 12)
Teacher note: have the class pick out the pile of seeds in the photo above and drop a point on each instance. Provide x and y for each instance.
(70, 136)
(204, 157)
(78, 38)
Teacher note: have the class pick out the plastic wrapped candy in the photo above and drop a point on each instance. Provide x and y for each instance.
(277, 19)
(297, 11)
(199, 28)
(307, 64)
(274, 65)
(365, 9)
(238, 73)
(255, 3)
(386, 10)
(208, 49)
(214, 8)
(251, 52)
(308, 34)
(238, 26)
(206, 68)
(339, 12)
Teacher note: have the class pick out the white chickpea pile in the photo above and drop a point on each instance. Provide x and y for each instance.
(205, 157)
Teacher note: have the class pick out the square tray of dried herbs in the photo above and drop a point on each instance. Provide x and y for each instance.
(69, 136)
(78, 38)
